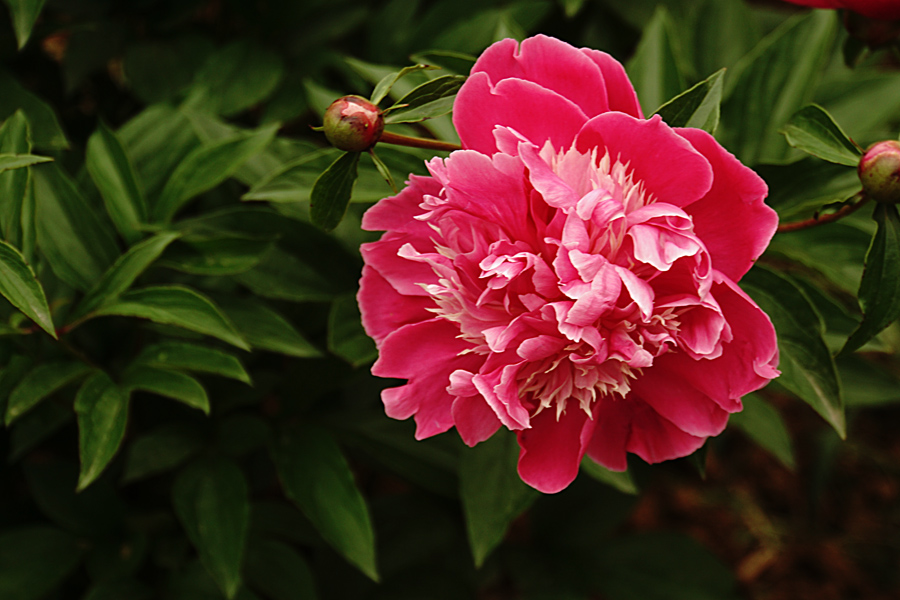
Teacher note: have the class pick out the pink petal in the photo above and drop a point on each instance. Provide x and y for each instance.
(670, 168)
(500, 388)
(534, 111)
(419, 349)
(383, 309)
(731, 219)
(397, 213)
(619, 90)
(552, 450)
(474, 419)
(402, 274)
(551, 63)
(610, 438)
(655, 439)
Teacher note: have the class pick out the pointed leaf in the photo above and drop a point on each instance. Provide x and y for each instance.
(879, 290)
(279, 571)
(39, 383)
(175, 305)
(383, 169)
(814, 131)
(383, 87)
(18, 161)
(317, 478)
(492, 492)
(764, 425)
(20, 286)
(45, 129)
(161, 450)
(265, 329)
(24, 14)
(655, 70)
(215, 255)
(772, 82)
(697, 107)
(119, 277)
(331, 192)
(35, 560)
(807, 367)
(14, 139)
(78, 244)
(112, 172)
(212, 503)
(171, 384)
(283, 276)
(455, 62)
(193, 357)
(431, 99)
(206, 167)
(620, 481)
(346, 336)
(102, 409)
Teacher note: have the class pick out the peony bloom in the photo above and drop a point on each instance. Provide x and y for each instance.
(570, 274)
(887, 10)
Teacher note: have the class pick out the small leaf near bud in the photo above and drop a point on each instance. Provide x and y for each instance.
(353, 124)
(879, 172)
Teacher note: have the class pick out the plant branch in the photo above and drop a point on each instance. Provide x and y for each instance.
(404, 140)
(822, 220)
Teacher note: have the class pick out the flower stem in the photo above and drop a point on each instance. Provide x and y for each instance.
(829, 218)
(404, 140)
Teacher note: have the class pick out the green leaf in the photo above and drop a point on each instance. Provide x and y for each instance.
(212, 503)
(15, 184)
(814, 131)
(697, 107)
(620, 481)
(346, 336)
(879, 290)
(112, 172)
(431, 99)
(193, 357)
(18, 161)
(175, 305)
(215, 255)
(208, 166)
(283, 276)
(102, 409)
(78, 244)
(160, 70)
(160, 450)
(655, 69)
(764, 425)
(317, 478)
(171, 384)
(383, 169)
(491, 491)
(39, 383)
(383, 87)
(45, 129)
(457, 62)
(20, 286)
(331, 192)
(24, 14)
(236, 77)
(119, 277)
(35, 560)
(278, 571)
(771, 83)
(265, 329)
(807, 367)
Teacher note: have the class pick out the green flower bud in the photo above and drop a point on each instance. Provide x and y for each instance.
(352, 123)
(879, 172)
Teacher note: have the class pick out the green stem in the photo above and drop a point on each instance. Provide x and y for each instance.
(404, 140)
(821, 220)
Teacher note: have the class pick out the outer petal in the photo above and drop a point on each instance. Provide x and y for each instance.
(552, 450)
(551, 63)
(671, 169)
(731, 219)
(620, 92)
(403, 274)
(383, 309)
(397, 213)
(534, 111)
(474, 419)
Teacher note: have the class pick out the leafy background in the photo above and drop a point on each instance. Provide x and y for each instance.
(185, 391)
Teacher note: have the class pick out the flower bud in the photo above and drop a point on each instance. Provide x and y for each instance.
(879, 172)
(352, 123)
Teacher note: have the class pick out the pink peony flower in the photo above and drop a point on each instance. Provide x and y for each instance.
(876, 9)
(571, 274)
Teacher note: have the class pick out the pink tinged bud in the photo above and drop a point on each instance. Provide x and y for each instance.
(352, 123)
(879, 171)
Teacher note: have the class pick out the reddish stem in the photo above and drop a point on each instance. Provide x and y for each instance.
(829, 218)
(404, 140)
